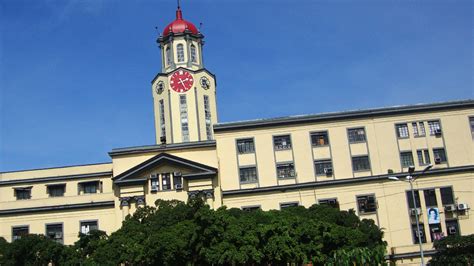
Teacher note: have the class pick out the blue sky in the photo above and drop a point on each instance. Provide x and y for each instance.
(75, 74)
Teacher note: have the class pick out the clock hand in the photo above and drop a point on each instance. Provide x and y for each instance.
(182, 82)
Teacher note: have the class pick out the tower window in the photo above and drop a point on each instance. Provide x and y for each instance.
(193, 53)
(360, 163)
(248, 174)
(423, 157)
(434, 127)
(168, 56)
(402, 131)
(320, 138)
(184, 117)
(162, 118)
(406, 158)
(356, 135)
(282, 142)
(207, 115)
(180, 51)
(245, 146)
(285, 170)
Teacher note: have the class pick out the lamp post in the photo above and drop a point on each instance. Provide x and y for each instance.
(410, 179)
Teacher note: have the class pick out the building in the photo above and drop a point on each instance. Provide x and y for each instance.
(342, 159)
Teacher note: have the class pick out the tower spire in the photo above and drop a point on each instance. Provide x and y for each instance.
(179, 14)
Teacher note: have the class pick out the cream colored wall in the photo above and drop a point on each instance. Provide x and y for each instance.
(382, 146)
(70, 219)
(174, 43)
(392, 214)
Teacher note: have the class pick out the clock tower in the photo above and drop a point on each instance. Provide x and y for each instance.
(184, 92)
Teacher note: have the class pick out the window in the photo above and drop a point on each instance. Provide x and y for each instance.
(90, 187)
(22, 193)
(285, 170)
(330, 202)
(177, 180)
(410, 199)
(248, 174)
(56, 190)
(402, 130)
(180, 51)
(435, 232)
(55, 232)
(251, 208)
(87, 226)
(439, 155)
(360, 163)
(356, 135)
(323, 167)
(416, 233)
(430, 198)
(154, 183)
(366, 204)
(19, 231)
(452, 227)
(166, 181)
(447, 196)
(282, 142)
(289, 204)
(406, 159)
(193, 53)
(320, 138)
(434, 127)
(184, 117)
(168, 56)
(207, 115)
(418, 129)
(162, 119)
(245, 146)
(471, 123)
(423, 157)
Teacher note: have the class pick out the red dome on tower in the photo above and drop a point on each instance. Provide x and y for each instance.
(179, 25)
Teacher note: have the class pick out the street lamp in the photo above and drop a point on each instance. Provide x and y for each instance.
(409, 178)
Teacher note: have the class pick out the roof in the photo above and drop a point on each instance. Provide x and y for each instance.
(363, 113)
(179, 25)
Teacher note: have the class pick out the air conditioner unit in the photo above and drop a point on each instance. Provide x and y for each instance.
(154, 188)
(178, 186)
(438, 132)
(452, 230)
(58, 235)
(463, 206)
(437, 160)
(415, 211)
(450, 208)
(328, 171)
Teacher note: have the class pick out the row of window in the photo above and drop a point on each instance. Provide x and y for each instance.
(180, 54)
(58, 190)
(354, 135)
(418, 129)
(55, 231)
(406, 157)
(165, 179)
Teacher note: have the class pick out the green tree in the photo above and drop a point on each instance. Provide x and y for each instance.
(454, 250)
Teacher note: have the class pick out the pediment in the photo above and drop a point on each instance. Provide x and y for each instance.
(165, 163)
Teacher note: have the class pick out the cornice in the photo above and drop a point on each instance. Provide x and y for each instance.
(358, 114)
(101, 204)
(162, 148)
(346, 181)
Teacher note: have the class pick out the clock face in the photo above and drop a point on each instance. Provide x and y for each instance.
(160, 87)
(181, 81)
(205, 83)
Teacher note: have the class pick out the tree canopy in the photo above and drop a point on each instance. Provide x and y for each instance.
(178, 233)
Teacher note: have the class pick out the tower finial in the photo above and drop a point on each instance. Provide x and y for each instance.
(179, 6)
(179, 14)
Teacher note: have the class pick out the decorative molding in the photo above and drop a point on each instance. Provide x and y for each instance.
(409, 255)
(140, 200)
(346, 181)
(207, 193)
(54, 178)
(102, 204)
(125, 201)
(304, 119)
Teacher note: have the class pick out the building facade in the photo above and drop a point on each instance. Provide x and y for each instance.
(341, 159)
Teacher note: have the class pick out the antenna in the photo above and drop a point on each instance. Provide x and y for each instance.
(200, 25)
(179, 6)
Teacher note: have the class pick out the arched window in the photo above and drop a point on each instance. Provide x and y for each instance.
(180, 50)
(168, 56)
(193, 54)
